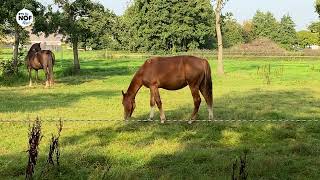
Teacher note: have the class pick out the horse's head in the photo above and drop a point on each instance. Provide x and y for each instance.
(128, 105)
(35, 47)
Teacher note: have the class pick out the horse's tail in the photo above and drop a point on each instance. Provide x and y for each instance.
(206, 86)
(53, 58)
(51, 61)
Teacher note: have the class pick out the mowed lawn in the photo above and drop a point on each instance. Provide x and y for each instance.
(136, 150)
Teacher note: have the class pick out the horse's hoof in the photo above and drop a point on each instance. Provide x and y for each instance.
(163, 121)
(190, 122)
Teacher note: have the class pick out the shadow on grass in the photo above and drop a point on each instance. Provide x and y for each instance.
(205, 151)
(254, 105)
(93, 70)
(13, 101)
(63, 72)
(200, 150)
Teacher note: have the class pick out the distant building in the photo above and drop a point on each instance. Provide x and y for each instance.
(52, 42)
(314, 47)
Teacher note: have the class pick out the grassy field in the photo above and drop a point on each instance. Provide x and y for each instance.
(117, 150)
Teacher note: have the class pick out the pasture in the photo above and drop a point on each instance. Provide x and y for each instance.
(150, 150)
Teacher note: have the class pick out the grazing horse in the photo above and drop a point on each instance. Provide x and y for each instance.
(171, 73)
(40, 59)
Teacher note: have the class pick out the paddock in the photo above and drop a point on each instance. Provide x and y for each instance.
(276, 122)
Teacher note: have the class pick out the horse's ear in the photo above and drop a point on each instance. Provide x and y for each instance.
(123, 93)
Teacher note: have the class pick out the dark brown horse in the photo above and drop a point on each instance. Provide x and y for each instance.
(40, 59)
(171, 73)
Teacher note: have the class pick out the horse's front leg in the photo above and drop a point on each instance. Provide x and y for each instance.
(37, 76)
(157, 98)
(152, 105)
(30, 77)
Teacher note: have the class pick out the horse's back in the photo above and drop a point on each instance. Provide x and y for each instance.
(173, 72)
(176, 64)
(47, 57)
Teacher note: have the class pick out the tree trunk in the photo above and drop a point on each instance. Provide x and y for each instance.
(76, 63)
(220, 68)
(16, 48)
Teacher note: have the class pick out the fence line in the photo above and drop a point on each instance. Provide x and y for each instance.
(169, 121)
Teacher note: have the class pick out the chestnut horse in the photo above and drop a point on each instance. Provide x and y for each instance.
(171, 73)
(40, 59)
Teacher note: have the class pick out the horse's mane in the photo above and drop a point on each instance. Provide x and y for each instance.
(31, 51)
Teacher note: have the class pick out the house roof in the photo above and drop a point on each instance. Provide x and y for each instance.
(52, 39)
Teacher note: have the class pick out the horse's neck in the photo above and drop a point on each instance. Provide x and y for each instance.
(134, 87)
(30, 54)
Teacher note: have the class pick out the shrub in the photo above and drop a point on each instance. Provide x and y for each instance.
(7, 68)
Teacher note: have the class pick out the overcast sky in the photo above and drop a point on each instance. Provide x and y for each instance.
(302, 11)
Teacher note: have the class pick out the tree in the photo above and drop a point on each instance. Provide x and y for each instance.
(307, 38)
(100, 31)
(8, 11)
(247, 35)
(70, 20)
(265, 25)
(314, 27)
(287, 36)
(219, 6)
(232, 31)
(160, 25)
(318, 6)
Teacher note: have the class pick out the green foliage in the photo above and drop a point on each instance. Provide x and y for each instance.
(100, 31)
(8, 69)
(318, 6)
(307, 38)
(169, 25)
(70, 19)
(265, 25)
(232, 31)
(283, 32)
(248, 34)
(287, 36)
(314, 27)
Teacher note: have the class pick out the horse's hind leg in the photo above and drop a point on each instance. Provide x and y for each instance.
(196, 101)
(30, 77)
(47, 76)
(157, 98)
(209, 100)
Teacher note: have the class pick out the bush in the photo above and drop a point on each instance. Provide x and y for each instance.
(7, 68)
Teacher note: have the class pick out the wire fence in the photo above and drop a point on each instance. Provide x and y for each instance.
(166, 121)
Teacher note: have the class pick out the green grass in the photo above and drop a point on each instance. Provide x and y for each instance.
(116, 150)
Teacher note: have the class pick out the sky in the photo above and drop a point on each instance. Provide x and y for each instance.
(302, 11)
